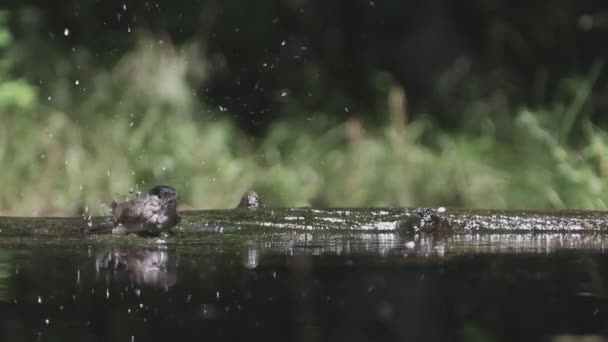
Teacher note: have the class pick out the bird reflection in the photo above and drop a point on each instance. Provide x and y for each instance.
(251, 256)
(145, 266)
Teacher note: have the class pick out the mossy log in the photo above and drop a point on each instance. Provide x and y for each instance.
(440, 222)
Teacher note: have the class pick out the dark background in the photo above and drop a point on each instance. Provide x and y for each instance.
(522, 48)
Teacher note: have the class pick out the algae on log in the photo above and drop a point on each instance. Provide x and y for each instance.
(439, 222)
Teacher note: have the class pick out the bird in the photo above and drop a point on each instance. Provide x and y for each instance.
(251, 200)
(151, 214)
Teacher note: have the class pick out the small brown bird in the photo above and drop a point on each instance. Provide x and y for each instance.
(151, 214)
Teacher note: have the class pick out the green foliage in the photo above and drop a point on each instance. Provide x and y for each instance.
(96, 132)
(15, 93)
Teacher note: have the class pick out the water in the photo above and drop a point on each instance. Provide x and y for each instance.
(303, 287)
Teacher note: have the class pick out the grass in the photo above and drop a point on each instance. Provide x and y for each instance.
(91, 134)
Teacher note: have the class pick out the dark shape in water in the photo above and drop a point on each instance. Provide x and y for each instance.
(251, 200)
(148, 215)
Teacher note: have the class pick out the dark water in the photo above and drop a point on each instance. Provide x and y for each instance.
(304, 288)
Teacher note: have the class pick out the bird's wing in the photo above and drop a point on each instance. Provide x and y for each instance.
(129, 212)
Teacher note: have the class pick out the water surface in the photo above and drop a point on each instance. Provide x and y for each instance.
(303, 287)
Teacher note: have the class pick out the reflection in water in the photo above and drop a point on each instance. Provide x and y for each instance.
(390, 244)
(5, 270)
(310, 287)
(145, 266)
(251, 256)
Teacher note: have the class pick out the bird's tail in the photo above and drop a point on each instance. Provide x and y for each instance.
(102, 228)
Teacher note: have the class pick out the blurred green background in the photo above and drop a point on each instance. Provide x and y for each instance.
(492, 104)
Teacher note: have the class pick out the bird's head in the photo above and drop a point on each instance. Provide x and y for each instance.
(164, 192)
